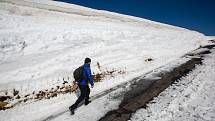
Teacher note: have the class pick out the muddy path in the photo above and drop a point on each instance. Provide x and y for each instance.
(142, 90)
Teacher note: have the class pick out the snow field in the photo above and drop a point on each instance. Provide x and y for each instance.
(38, 45)
(38, 48)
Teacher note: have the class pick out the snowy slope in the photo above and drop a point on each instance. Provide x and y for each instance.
(38, 45)
(42, 42)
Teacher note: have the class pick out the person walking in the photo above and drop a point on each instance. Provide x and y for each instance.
(83, 85)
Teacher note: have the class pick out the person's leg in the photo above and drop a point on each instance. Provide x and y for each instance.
(87, 96)
(80, 98)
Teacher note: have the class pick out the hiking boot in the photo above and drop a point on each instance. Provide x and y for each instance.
(72, 111)
(87, 102)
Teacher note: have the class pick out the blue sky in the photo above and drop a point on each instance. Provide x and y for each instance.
(198, 15)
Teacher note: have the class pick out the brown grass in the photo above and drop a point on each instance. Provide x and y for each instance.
(64, 88)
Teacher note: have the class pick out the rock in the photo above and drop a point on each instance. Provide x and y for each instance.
(25, 100)
(6, 93)
(15, 92)
(74, 87)
(3, 98)
(65, 82)
(8, 106)
(58, 87)
(149, 59)
(37, 96)
(17, 97)
(53, 95)
(2, 105)
(27, 95)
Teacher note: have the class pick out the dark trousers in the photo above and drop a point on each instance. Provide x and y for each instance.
(85, 92)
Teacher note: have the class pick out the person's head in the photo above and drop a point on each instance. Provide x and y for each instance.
(87, 61)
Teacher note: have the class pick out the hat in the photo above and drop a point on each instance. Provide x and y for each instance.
(87, 60)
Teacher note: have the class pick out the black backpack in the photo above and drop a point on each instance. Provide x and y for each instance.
(79, 74)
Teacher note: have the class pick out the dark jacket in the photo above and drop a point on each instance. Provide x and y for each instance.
(88, 75)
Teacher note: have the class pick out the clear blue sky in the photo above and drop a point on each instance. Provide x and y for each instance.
(196, 15)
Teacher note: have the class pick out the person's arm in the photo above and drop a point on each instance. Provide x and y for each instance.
(89, 76)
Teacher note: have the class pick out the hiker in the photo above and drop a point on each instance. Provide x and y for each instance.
(83, 85)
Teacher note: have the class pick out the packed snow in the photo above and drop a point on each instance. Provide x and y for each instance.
(42, 43)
